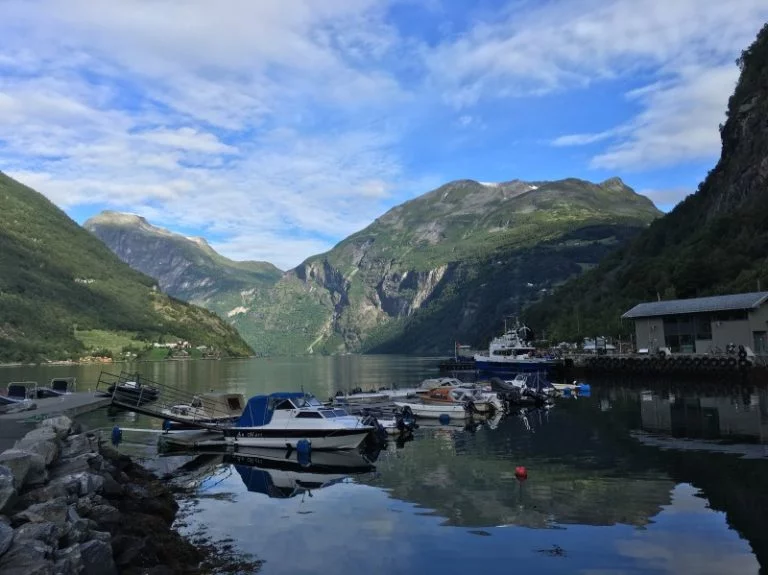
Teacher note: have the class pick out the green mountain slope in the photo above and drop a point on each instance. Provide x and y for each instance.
(446, 265)
(60, 286)
(716, 241)
(186, 268)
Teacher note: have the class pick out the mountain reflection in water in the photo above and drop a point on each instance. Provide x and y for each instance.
(592, 464)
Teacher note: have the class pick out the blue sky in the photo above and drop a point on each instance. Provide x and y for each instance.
(275, 129)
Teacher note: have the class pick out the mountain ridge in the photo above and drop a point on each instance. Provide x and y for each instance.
(364, 293)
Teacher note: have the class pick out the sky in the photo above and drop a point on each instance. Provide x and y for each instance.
(277, 128)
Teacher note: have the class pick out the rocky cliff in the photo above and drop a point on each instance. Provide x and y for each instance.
(714, 242)
(446, 265)
(185, 267)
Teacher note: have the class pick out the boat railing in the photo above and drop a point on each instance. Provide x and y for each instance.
(135, 392)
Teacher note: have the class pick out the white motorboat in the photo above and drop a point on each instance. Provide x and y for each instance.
(281, 420)
(359, 397)
(466, 397)
(453, 411)
(205, 409)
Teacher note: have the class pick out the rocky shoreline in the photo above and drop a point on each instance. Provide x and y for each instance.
(70, 504)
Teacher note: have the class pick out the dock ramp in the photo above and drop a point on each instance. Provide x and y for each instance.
(135, 392)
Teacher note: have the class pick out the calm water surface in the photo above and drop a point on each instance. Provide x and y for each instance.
(635, 479)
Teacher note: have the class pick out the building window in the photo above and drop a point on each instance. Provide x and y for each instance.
(761, 342)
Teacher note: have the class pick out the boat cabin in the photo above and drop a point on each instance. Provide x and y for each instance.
(261, 409)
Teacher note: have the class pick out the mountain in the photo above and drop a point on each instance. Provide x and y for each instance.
(187, 268)
(714, 242)
(62, 291)
(448, 264)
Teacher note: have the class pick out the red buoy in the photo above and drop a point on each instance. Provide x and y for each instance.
(521, 473)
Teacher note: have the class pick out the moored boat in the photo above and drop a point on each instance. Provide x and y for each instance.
(457, 396)
(511, 352)
(453, 411)
(206, 409)
(281, 420)
(133, 391)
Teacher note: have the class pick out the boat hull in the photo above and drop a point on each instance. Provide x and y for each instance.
(518, 366)
(436, 411)
(322, 439)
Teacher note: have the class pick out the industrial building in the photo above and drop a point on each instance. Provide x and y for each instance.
(703, 325)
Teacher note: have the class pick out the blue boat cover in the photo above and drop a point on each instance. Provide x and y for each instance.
(258, 410)
(260, 481)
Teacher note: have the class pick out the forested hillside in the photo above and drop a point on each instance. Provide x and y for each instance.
(714, 242)
(62, 291)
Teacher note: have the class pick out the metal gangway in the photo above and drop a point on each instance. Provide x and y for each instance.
(135, 392)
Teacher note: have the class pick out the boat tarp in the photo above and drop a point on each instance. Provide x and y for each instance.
(258, 410)
(260, 481)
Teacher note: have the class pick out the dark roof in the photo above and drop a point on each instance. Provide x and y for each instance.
(696, 305)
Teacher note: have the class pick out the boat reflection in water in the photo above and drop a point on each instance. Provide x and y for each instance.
(283, 475)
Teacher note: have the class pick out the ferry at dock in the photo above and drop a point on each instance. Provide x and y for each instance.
(511, 352)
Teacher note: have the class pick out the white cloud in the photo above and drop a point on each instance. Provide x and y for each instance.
(283, 126)
(686, 46)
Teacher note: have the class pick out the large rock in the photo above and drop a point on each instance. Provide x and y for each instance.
(68, 561)
(97, 558)
(6, 537)
(19, 463)
(105, 514)
(79, 444)
(27, 557)
(77, 464)
(47, 532)
(48, 449)
(54, 511)
(61, 424)
(81, 484)
(7, 489)
(111, 487)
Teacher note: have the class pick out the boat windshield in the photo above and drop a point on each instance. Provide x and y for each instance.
(340, 412)
(307, 401)
(328, 413)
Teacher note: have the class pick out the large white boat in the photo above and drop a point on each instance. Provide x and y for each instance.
(281, 420)
(511, 352)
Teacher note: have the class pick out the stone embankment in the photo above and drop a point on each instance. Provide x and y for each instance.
(70, 505)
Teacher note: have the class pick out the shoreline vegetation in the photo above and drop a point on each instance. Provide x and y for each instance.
(70, 503)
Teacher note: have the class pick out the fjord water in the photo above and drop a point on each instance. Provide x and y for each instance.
(642, 478)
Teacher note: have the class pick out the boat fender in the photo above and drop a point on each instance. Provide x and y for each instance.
(304, 452)
(521, 473)
(444, 418)
(167, 424)
(117, 435)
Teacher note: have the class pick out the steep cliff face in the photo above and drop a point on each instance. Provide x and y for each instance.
(187, 268)
(715, 241)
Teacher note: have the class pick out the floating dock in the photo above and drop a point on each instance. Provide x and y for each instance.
(13, 426)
